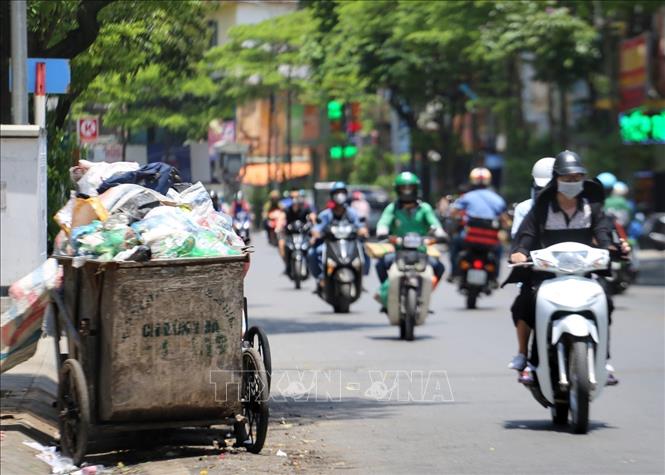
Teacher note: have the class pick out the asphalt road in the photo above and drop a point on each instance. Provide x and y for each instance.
(446, 402)
(348, 395)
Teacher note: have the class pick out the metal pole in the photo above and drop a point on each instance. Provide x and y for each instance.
(19, 36)
(288, 127)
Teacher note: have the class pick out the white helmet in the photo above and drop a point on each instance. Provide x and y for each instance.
(480, 176)
(619, 189)
(542, 171)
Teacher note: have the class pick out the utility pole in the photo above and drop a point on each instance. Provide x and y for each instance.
(19, 36)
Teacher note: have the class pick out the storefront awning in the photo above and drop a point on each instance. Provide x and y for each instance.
(261, 174)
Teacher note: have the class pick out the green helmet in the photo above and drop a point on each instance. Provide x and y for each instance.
(407, 186)
(407, 178)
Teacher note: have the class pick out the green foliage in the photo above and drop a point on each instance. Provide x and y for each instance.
(372, 166)
(61, 150)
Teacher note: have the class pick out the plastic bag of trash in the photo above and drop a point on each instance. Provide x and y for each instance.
(86, 210)
(104, 241)
(156, 176)
(90, 175)
(221, 225)
(21, 323)
(135, 201)
(198, 200)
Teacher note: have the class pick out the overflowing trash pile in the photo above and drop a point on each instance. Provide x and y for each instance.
(124, 212)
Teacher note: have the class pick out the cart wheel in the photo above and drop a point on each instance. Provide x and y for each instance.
(258, 340)
(73, 410)
(251, 433)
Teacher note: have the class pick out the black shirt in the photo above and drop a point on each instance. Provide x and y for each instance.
(547, 224)
(301, 214)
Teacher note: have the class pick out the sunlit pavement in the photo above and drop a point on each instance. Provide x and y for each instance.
(444, 403)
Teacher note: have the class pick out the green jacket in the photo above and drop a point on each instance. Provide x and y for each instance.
(397, 221)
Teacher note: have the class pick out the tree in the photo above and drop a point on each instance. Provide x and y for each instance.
(108, 36)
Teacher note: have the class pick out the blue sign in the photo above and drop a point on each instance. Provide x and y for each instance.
(58, 75)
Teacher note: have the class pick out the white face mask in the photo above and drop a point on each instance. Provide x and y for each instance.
(570, 189)
(339, 198)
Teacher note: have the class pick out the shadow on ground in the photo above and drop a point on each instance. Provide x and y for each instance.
(548, 426)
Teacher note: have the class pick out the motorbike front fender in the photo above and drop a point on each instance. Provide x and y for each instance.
(576, 325)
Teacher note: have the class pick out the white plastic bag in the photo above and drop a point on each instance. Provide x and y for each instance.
(97, 172)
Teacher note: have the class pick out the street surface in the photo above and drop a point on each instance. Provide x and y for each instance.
(349, 395)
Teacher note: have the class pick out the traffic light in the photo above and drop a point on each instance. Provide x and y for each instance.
(354, 126)
(347, 151)
(335, 110)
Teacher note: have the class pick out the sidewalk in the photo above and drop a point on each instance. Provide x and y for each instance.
(26, 411)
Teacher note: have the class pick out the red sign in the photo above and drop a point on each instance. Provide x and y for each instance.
(88, 129)
(633, 72)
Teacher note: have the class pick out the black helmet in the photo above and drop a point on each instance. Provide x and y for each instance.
(568, 163)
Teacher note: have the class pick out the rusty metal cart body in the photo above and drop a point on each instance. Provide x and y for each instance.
(155, 345)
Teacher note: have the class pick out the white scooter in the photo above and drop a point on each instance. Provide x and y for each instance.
(571, 331)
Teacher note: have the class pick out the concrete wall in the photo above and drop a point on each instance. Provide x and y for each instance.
(22, 202)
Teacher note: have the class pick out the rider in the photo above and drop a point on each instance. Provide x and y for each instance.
(408, 215)
(618, 206)
(542, 175)
(299, 210)
(570, 208)
(239, 204)
(339, 196)
(481, 204)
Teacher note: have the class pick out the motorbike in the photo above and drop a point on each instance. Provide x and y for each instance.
(297, 245)
(241, 225)
(571, 331)
(477, 261)
(271, 226)
(624, 270)
(409, 284)
(343, 261)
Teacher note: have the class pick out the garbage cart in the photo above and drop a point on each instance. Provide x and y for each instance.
(157, 345)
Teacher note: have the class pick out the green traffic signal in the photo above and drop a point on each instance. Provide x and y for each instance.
(347, 151)
(335, 110)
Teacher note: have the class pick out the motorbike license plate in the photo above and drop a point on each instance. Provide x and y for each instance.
(476, 277)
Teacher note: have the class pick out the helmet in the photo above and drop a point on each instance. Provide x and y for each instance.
(407, 185)
(568, 163)
(607, 179)
(542, 171)
(339, 193)
(337, 187)
(480, 176)
(620, 189)
(407, 178)
(213, 195)
(358, 195)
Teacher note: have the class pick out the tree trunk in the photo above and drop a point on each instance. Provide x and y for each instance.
(550, 116)
(5, 97)
(563, 116)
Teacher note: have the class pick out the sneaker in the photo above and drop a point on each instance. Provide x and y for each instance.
(526, 377)
(518, 363)
(611, 379)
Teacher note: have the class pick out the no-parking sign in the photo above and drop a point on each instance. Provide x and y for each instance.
(88, 129)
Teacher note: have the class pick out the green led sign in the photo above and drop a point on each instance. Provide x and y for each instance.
(638, 127)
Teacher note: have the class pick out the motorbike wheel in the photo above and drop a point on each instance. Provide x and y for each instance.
(295, 273)
(560, 413)
(344, 301)
(580, 387)
(411, 308)
(471, 300)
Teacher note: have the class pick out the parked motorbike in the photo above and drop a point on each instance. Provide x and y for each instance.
(297, 245)
(241, 225)
(477, 262)
(571, 331)
(409, 284)
(343, 261)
